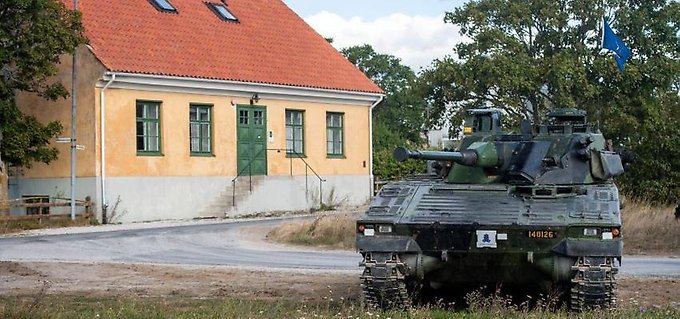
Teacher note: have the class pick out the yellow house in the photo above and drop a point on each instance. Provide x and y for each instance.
(190, 109)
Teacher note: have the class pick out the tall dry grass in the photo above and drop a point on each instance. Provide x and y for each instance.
(331, 231)
(17, 226)
(650, 230)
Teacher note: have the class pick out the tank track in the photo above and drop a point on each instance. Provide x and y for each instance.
(594, 284)
(383, 282)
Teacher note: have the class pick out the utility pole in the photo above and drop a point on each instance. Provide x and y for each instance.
(73, 126)
(4, 188)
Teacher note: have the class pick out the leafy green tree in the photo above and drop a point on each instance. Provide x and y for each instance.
(402, 113)
(530, 56)
(400, 118)
(34, 34)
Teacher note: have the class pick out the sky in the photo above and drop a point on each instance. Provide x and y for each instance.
(413, 31)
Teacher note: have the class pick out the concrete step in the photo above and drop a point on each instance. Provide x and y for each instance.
(236, 192)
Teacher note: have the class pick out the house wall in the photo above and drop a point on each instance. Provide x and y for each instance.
(89, 71)
(53, 179)
(123, 160)
(177, 185)
(302, 193)
(135, 199)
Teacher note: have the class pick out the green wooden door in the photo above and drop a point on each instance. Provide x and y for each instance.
(251, 140)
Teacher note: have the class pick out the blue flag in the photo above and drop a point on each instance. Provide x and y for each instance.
(612, 42)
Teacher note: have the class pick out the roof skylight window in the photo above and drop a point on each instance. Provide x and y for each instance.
(222, 11)
(163, 5)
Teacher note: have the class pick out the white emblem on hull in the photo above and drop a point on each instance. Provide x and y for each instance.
(486, 239)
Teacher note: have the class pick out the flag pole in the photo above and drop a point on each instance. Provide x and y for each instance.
(601, 80)
(602, 28)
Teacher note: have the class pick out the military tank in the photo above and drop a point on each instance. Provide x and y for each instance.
(537, 207)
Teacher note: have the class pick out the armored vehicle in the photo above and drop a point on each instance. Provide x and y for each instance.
(537, 207)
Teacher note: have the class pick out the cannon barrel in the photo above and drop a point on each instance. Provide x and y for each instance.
(465, 157)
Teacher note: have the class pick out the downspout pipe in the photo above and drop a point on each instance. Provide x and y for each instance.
(370, 142)
(102, 142)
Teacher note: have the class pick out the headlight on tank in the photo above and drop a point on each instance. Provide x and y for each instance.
(384, 228)
(590, 232)
(602, 233)
(608, 234)
(371, 230)
(367, 230)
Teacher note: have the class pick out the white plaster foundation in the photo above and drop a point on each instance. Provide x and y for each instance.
(139, 199)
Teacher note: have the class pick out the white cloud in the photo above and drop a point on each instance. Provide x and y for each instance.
(416, 40)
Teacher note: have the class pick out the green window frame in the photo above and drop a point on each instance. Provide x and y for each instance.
(295, 132)
(335, 141)
(200, 129)
(148, 128)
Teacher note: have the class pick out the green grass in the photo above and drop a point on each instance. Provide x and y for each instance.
(53, 306)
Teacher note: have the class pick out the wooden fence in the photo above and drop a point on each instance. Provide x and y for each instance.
(33, 202)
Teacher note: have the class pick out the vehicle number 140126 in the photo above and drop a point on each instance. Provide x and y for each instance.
(547, 234)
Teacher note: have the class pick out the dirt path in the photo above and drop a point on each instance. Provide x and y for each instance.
(156, 280)
(104, 279)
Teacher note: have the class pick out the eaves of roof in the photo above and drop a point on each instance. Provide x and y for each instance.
(236, 89)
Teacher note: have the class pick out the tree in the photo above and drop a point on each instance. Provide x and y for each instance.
(528, 57)
(402, 113)
(400, 118)
(34, 34)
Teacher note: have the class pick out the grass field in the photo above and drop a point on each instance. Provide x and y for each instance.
(53, 306)
(650, 229)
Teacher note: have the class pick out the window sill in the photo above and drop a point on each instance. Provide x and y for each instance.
(151, 154)
(290, 155)
(329, 156)
(202, 155)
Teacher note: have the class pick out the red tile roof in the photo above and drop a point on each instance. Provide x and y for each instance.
(270, 44)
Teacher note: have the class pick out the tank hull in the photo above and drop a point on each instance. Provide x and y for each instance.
(441, 235)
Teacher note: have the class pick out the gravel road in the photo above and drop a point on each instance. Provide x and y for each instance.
(231, 243)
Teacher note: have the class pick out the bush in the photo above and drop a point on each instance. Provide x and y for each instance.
(385, 167)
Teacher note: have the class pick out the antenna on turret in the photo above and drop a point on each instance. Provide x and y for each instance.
(525, 123)
(597, 111)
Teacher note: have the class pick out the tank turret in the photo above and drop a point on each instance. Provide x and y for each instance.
(564, 150)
